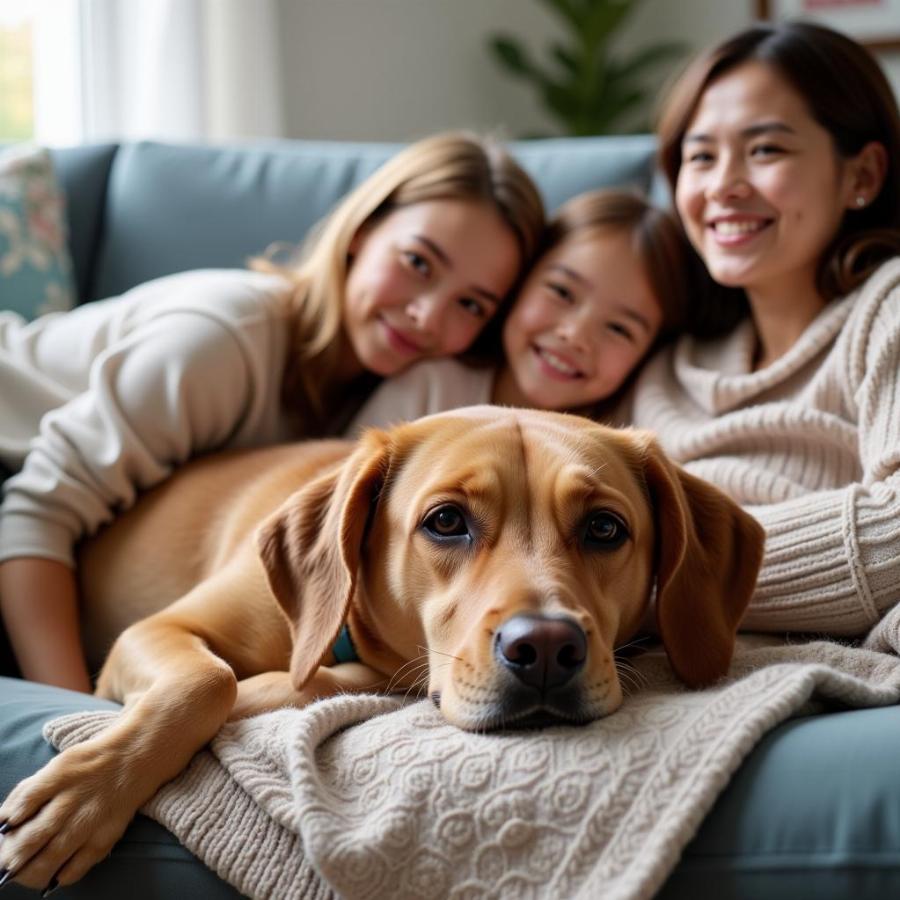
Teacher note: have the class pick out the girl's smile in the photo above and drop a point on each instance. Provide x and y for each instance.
(406, 343)
(556, 365)
(584, 318)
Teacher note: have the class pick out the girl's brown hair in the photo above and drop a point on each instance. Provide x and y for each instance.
(849, 96)
(447, 166)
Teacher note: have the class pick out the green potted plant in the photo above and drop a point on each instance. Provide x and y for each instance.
(584, 85)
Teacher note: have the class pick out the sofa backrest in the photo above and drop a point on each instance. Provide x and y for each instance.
(141, 210)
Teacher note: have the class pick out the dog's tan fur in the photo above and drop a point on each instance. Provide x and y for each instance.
(252, 562)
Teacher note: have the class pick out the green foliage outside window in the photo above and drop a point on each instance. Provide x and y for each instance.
(16, 82)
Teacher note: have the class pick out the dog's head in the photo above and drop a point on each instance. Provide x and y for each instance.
(513, 551)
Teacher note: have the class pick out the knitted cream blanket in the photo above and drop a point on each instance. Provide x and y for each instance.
(373, 797)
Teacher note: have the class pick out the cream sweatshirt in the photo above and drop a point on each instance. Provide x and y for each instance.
(101, 402)
(431, 386)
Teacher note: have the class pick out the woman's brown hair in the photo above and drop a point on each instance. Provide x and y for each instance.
(850, 97)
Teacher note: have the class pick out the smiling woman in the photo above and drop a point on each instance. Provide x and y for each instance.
(762, 192)
(782, 146)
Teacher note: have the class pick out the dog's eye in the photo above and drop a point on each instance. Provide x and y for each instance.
(605, 531)
(447, 521)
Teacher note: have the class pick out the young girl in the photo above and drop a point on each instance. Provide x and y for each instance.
(782, 146)
(609, 283)
(105, 401)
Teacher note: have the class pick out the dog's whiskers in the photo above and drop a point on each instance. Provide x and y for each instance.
(631, 678)
(408, 668)
(419, 685)
(415, 674)
(439, 652)
(634, 642)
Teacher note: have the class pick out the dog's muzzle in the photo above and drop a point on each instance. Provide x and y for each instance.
(544, 654)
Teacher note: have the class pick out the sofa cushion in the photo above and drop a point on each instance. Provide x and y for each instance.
(176, 207)
(814, 811)
(147, 863)
(35, 267)
(83, 173)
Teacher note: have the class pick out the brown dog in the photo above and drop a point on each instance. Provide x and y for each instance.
(497, 556)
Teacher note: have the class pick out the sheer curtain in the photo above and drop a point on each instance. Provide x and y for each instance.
(184, 70)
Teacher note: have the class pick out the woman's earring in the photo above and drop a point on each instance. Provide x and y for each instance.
(860, 202)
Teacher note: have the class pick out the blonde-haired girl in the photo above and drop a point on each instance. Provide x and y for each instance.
(449, 166)
(102, 402)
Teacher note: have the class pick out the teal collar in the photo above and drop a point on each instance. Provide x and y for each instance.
(343, 648)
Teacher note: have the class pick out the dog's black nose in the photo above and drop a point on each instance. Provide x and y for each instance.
(544, 652)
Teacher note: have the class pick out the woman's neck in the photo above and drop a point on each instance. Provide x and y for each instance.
(781, 316)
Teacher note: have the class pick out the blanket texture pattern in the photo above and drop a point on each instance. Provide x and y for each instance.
(370, 796)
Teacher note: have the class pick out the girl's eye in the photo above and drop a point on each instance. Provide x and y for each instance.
(473, 307)
(417, 262)
(561, 291)
(622, 330)
(699, 157)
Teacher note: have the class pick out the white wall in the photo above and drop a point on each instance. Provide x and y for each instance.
(398, 69)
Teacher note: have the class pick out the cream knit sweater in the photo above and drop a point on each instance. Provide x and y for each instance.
(809, 445)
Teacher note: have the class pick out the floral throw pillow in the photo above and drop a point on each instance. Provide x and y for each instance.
(35, 268)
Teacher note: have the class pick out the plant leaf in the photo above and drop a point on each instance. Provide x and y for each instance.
(567, 10)
(560, 100)
(580, 82)
(604, 18)
(566, 59)
(511, 54)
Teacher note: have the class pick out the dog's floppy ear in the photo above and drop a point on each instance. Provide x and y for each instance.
(310, 549)
(708, 554)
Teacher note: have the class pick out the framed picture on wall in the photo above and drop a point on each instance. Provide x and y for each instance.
(875, 23)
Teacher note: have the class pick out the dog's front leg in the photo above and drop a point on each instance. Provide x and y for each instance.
(67, 816)
(274, 690)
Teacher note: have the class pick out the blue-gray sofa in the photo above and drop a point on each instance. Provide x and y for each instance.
(814, 812)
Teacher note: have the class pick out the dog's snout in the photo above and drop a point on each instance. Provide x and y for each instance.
(543, 652)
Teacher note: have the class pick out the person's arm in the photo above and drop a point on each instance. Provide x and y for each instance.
(39, 601)
(832, 560)
(176, 387)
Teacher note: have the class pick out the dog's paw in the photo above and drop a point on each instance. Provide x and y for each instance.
(64, 819)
